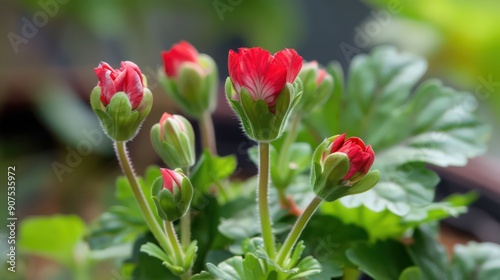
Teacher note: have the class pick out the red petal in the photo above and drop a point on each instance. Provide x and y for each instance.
(108, 88)
(170, 178)
(354, 148)
(260, 76)
(133, 87)
(233, 64)
(368, 158)
(133, 66)
(337, 143)
(292, 61)
(177, 55)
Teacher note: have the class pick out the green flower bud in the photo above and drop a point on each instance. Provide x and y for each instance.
(318, 86)
(190, 78)
(173, 141)
(341, 167)
(121, 100)
(172, 194)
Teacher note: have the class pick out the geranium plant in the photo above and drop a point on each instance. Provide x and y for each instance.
(343, 188)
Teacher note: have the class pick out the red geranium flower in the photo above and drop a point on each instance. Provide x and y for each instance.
(263, 75)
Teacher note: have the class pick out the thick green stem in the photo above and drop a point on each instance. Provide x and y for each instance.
(207, 133)
(294, 234)
(151, 221)
(265, 217)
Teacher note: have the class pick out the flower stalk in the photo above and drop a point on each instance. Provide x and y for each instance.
(207, 133)
(153, 225)
(263, 204)
(297, 229)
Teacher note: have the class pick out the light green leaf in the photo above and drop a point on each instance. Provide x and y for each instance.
(412, 273)
(58, 237)
(386, 224)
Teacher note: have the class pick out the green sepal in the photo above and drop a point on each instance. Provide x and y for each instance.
(119, 121)
(328, 183)
(238, 109)
(260, 122)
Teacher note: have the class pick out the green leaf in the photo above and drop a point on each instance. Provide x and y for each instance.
(58, 237)
(123, 222)
(479, 261)
(386, 224)
(428, 254)
(378, 84)
(327, 239)
(212, 169)
(146, 266)
(384, 260)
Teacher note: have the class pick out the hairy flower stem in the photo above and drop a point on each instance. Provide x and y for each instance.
(153, 225)
(294, 234)
(265, 217)
(207, 133)
(172, 237)
(186, 222)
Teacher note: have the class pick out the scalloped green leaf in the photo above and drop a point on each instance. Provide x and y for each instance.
(435, 124)
(386, 224)
(479, 261)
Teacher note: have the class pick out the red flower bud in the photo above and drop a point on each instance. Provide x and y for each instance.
(361, 157)
(127, 79)
(180, 53)
(171, 179)
(263, 75)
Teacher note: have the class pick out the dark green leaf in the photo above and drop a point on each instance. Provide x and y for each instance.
(384, 260)
(428, 254)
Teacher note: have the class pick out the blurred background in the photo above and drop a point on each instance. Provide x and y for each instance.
(65, 164)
